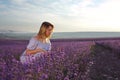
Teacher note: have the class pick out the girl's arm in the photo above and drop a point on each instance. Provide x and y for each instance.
(28, 51)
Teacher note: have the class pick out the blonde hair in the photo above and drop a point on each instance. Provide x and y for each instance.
(42, 31)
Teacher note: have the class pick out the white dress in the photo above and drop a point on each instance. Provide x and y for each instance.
(34, 44)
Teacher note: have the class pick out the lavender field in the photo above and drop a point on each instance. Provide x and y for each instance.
(68, 60)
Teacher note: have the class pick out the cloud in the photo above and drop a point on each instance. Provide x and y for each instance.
(18, 2)
(105, 15)
(2, 6)
(83, 15)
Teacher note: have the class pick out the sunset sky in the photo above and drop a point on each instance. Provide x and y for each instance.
(66, 15)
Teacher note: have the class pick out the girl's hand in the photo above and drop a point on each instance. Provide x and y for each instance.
(41, 50)
(35, 51)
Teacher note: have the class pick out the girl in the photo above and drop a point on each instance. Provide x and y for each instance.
(38, 45)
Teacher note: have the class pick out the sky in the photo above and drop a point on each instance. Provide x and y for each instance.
(66, 15)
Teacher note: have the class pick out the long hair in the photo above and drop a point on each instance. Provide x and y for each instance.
(42, 31)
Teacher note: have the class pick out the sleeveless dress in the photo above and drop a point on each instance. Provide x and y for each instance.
(34, 44)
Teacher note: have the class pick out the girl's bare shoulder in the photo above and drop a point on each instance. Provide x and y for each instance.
(35, 37)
